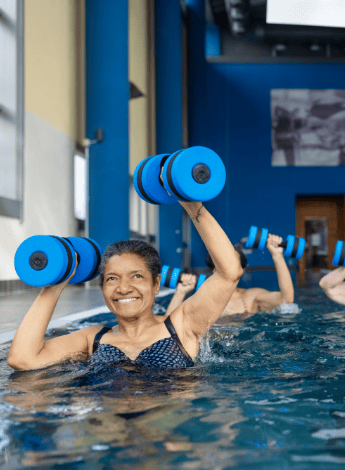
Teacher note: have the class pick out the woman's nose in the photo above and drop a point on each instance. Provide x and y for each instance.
(124, 286)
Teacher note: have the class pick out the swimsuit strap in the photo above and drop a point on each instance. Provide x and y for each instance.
(98, 337)
(172, 331)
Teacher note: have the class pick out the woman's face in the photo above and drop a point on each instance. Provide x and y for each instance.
(128, 288)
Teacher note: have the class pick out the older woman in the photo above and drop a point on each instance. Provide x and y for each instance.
(130, 278)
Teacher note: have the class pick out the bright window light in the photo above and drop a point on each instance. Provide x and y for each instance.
(79, 187)
(329, 13)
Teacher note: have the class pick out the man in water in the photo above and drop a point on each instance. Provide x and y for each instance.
(248, 301)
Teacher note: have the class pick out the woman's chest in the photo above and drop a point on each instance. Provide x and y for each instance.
(119, 344)
(163, 353)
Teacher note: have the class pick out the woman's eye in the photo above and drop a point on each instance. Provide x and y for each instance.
(111, 279)
(138, 276)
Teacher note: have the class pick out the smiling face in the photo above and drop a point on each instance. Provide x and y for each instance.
(128, 288)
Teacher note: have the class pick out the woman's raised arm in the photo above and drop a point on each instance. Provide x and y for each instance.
(202, 309)
(28, 349)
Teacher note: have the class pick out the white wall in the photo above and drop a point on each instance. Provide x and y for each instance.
(53, 89)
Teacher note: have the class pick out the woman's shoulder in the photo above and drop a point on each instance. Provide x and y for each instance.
(90, 332)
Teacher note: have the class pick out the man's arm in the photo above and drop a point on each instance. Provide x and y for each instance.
(186, 285)
(266, 300)
(333, 279)
(334, 286)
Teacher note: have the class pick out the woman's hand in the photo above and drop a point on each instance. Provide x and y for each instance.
(193, 209)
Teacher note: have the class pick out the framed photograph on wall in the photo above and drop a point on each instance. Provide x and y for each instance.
(308, 127)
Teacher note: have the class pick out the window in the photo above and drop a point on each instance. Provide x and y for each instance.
(11, 108)
(80, 188)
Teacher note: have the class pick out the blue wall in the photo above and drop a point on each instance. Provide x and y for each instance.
(107, 95)
(232, 116)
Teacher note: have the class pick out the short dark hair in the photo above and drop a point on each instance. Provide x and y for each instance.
(136, 247)
(243, 259)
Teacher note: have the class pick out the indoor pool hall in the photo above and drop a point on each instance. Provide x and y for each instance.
(172, 234)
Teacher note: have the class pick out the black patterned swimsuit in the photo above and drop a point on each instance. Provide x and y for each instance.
(163, 354)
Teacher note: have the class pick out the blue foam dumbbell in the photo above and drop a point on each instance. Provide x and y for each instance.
(339, 254)
(44, 260)
(293, 246)
(171, 276)
(194, 174)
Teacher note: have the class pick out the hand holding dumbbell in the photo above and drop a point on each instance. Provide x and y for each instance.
(273, 244)
(170, 277)
(186, 283)
(293, 246)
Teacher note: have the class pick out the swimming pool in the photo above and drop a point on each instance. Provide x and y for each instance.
(266, 393)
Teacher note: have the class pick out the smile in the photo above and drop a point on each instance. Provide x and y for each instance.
(126, 300)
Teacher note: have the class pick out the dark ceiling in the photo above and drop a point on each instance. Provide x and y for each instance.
(246, 20)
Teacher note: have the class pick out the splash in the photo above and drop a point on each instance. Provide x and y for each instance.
(285, 309)
(205, 352)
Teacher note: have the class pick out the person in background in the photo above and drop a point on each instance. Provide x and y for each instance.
(247, 302)
(333, 285)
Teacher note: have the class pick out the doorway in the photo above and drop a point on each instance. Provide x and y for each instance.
(319, 219)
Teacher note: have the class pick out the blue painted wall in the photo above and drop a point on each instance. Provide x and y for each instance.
(168, 62)
(107, 95)
(230, 113)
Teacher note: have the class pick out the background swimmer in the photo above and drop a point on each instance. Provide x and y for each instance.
(333, 285)
(251, 301)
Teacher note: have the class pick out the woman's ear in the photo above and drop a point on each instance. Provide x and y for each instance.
(158, 283)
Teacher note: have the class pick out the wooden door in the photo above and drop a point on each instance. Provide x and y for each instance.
(326, 209)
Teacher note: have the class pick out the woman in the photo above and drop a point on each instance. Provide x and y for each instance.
(130, 280)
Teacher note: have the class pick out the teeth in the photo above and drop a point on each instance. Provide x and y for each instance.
(126, 300)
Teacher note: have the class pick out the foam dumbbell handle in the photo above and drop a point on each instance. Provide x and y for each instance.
(339, 254)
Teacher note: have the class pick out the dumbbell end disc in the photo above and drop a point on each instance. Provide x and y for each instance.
(338, 258)
(201, 280)
(164, 272)
(301, 247)
(263, 239)
(43, 260)
(194, 174)
(251, 237)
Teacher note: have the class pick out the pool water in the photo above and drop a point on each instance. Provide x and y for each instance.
(266, 393)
